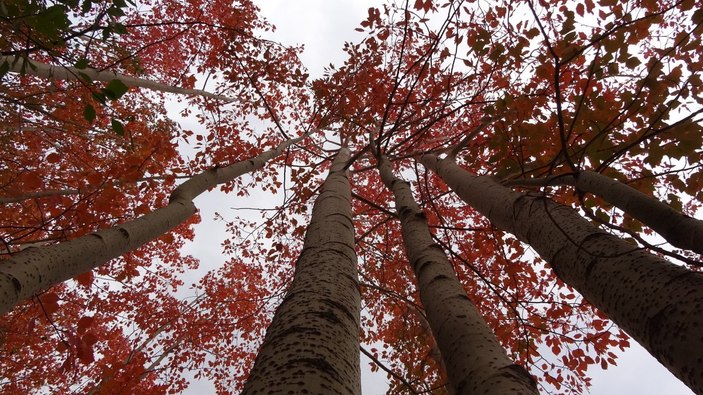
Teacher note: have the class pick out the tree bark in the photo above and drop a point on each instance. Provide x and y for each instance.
(39, 194)
(678, 229)
(40, 69)
(35, 269)
(312, 344)
(475, 361)
(657, 303)
(74, 191)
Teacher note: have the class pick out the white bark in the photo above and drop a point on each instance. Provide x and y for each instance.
(39, 69)
(475, 361)
(656, 302)
(312, 344)
(39, 194)
(35, 269)
(677, 228)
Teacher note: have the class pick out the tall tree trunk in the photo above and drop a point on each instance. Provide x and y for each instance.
(678, 229)
(312, 344)
(657, 303)
(475, 361)
(39, 69)
(32, 270)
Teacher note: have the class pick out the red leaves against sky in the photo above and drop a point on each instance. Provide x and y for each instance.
(422, 79)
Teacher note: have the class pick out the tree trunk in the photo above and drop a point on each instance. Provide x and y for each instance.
(657, 303)
(73, 191)
(35, 269)
(312, 344)
(475, 361)
(44, 70)
(39, 194)
(678, 229)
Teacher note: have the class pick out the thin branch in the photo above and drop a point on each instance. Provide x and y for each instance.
(67, 73)
(388, 370)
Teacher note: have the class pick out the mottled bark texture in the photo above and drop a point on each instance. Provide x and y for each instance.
(34, 269)
(475, 361)
(657, 303)
(312, 344)
(678, 229)
(39, 69)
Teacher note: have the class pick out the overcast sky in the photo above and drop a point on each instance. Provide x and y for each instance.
(323, 26)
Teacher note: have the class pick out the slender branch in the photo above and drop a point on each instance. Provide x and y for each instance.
(67, 73)
(39, 194)
(372, 204)
(452, 152)
(388, 370)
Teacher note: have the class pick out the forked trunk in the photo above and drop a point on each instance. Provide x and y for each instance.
(657, 303)
(475, 361)
(312, 344)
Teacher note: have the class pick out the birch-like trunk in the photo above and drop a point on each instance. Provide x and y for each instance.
(312, 344)
(657, 303)
(72, 191)
(44, 70)
(475, 361)
(34, 269)
(39, 194)
(678, 229)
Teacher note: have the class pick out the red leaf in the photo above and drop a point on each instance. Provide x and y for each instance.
(69, 363)
(61, 347)
(85, 279)
(90, 338)
(31, 180)
(53, 157)
(49, 302)
(84, 323)
(31, 325)
(85, 353)
(94, 179)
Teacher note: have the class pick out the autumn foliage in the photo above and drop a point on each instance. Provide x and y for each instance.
(528, 92)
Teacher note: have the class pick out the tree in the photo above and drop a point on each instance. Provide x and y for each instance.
(312, 343)
(28, 272)
(475, 361)
(643, 294)
(519, 92)
(678, 229)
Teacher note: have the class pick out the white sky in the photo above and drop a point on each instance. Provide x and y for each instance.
(323, 26)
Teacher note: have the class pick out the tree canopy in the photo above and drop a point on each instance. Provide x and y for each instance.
(593, 105)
